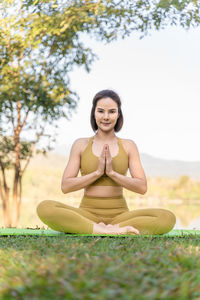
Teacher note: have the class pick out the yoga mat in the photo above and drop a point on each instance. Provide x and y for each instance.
(49, 232)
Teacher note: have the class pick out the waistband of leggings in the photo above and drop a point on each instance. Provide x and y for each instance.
(103, 202)
(103, 198)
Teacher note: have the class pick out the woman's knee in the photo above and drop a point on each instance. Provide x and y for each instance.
(169, 216)
(45, 208)
(167, 220)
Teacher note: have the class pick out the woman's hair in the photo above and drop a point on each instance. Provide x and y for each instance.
(114, 96)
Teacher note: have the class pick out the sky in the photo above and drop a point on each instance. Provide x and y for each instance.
(158, 81)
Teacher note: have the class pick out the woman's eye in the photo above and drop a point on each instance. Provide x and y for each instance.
(100, 111)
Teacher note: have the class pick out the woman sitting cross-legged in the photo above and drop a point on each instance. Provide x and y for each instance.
(104, 160)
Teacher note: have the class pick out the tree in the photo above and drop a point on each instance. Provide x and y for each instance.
(40, 43)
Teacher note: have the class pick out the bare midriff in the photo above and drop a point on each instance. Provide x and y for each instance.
(103, 191)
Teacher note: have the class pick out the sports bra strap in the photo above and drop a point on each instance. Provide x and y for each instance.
(91, 139)
(119, 140)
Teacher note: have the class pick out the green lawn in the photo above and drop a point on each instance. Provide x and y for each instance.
(99, 267)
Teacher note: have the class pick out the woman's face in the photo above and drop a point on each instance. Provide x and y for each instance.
(106, 114)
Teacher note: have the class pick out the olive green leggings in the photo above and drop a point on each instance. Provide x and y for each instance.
(110, 210)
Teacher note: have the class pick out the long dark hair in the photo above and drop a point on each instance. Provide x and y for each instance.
(114, 96)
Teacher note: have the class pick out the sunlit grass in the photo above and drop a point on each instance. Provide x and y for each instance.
(99, 268)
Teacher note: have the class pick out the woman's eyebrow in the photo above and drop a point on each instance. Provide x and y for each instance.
(109, 109)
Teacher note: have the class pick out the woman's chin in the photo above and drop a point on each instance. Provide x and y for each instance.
(106, 129)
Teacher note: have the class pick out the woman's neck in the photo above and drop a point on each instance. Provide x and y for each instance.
(105, 136)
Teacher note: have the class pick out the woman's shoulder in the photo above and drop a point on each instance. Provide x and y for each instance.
(128, 144)
(81, 143)
(82, 140)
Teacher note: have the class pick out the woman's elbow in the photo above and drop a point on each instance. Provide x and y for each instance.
(144, 189)
(143, 192)
(64, 188)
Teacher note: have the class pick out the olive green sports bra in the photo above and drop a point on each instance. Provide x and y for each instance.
(89, 164)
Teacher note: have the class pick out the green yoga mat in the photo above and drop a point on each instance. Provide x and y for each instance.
(49, 232)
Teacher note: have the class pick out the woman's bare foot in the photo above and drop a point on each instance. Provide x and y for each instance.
(113, 229)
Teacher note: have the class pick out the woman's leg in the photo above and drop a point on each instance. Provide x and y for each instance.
(148, 220)
(66, 218)
(69, 219)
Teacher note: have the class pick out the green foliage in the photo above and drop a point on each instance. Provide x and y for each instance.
(183, 181)
(163, 4)
(40, 43)
(185, 189)
(7, 150)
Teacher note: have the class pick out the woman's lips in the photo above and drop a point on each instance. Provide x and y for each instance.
(105, 123)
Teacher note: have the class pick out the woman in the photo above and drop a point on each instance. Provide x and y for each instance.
(104, 160)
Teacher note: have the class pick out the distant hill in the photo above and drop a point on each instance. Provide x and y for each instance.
(152, 166)
(169, 168)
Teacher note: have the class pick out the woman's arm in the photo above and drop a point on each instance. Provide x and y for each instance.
(137, 183)
(70, 182)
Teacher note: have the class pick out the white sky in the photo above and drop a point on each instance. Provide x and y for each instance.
(158, 80)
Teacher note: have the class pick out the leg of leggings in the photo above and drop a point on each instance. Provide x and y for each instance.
(65, 218)
(148, 220)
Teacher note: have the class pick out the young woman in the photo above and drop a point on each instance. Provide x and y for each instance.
(104, 160)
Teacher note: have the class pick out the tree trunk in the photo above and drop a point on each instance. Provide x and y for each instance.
(20, 198)
(11, 214)
(4, 195)
(16, 201)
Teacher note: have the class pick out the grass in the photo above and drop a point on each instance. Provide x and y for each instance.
(99, 268)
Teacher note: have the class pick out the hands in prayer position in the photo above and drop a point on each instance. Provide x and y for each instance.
(105, 161)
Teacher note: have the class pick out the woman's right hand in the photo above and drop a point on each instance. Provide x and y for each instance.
(102, 162)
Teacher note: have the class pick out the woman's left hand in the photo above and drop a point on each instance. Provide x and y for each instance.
(109, 168)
